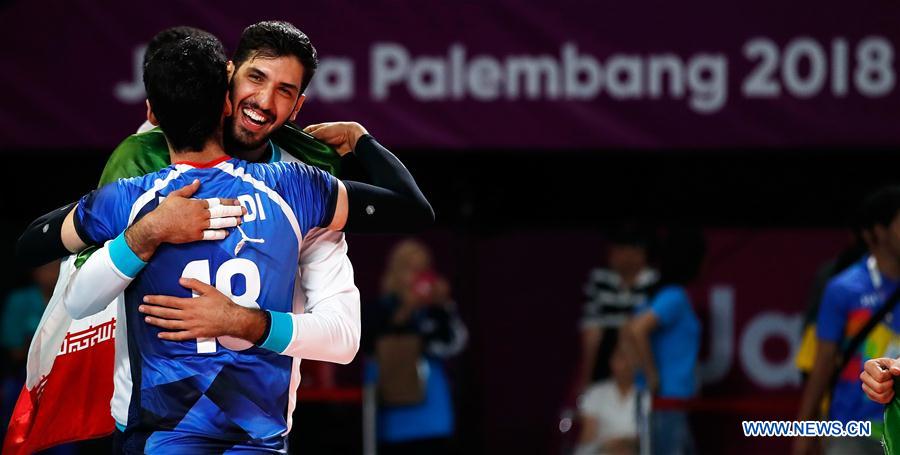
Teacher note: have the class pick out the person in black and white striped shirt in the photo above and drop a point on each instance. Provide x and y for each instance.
(611, 295)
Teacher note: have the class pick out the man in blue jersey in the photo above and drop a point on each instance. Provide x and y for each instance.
(850, 299)
(230, 392)
(273, 64)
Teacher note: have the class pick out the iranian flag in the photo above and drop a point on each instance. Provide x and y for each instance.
(69, 382)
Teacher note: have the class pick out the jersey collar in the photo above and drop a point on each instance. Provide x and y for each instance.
(207, 164)
(275, 156)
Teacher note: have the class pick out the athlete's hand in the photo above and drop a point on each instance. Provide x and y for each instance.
(181, 219)
(878, 379)
(210, 314)
(340, 135)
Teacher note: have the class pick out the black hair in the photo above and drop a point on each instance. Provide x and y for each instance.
(681, 255)
(879, 208)
(631, 233)
(169, 36)
(186, 84)
(272, 39)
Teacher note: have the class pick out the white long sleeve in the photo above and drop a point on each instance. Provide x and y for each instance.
(325, 322)
(98, 282)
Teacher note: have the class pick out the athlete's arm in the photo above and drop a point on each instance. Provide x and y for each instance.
(637, 332)
(38, 245)
(107, 272)
(137, 155)
(816, 388)
(328, 330)
(819, 377)
(178, 219)
(831, 322)
(392, 203)
(56, 234)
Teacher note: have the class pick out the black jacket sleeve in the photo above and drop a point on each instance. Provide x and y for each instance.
(393, 202)
(42, 240)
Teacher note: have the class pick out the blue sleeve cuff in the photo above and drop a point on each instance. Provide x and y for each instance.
(123, 258)
(280, 333)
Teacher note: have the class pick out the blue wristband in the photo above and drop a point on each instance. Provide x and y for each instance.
(124, 258)
(281, 332)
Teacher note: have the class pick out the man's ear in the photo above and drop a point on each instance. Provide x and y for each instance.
(879, 232)
(868, 238)
(230, 67)
(227, 105)
(150, 117)
(297, 107)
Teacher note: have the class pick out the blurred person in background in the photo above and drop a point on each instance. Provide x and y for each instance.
(852, 253)
(607, 411)
(612, 295)
(22, 312)
(663, 341)
(410, 331)
(850, 299)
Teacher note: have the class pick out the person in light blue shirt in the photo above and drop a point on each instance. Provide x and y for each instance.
(664, 337)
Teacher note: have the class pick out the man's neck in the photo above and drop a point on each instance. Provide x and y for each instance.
(47, 292)
(623, 385)
(211, 151)
(629, 280)
(887, 264)
(257, 155)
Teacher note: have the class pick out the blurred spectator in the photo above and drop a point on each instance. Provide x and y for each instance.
(663, 339)
(408, 333)
(608, 413)
(850, 299)
(22, 312)
(612, 295)
(848, 256)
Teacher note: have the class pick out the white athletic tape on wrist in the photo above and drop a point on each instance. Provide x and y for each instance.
(211, 234)
(223, 211)
(219, 223)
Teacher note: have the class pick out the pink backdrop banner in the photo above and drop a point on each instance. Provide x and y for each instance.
(494, 74)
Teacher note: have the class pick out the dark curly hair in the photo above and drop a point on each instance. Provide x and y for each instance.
(186, 83)
(272, 39)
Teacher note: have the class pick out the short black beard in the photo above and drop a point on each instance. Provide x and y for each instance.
(235, 147)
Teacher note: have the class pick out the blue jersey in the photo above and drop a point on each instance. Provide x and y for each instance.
(849, 300)
(213, 395)
(675, 341)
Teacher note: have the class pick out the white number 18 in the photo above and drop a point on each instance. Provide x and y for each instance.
(200, 270)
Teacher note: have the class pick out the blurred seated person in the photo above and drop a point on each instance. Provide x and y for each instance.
(408, 334)
(611, 296)
(608, 412)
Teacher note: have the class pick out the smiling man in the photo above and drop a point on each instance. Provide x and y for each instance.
(272, 66)
(267, 89)
(267, 86)
(228, 380)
